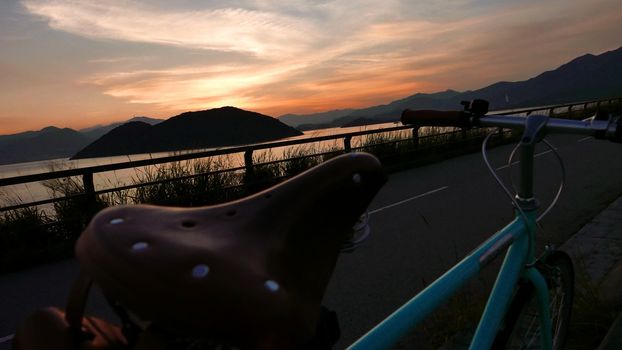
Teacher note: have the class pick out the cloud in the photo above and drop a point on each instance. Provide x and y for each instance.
(116, 60)
(191, 87)
(13, 37)
(300, 56)
(226, 29)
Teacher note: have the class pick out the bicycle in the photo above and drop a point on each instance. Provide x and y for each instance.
(508, 320)
(243, 275)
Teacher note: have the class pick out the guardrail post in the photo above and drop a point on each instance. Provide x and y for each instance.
(416, 136)
(249, 172)
(89, 188)
(347, 144)
(248, 165)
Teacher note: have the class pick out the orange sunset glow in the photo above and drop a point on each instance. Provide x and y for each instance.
(81, 63)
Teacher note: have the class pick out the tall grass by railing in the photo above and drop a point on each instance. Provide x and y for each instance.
(189, 183)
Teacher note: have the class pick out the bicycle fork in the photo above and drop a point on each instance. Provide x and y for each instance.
(512, 269)
(542, 296)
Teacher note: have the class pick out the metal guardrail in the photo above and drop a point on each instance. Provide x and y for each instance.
(86, 173)
(551, 108)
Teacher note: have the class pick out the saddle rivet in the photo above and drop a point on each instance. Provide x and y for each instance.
(272, 286)
(116, 221)
(356, 178)
(200, 271)
(140, 246)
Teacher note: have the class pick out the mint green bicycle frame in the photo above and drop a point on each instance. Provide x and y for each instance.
(518, 238)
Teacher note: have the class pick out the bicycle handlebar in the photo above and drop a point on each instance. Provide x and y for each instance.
(601, 129)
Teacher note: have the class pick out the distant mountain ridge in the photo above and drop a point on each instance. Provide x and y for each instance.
(323, 117)
(52, 142)
(583, 78)
(48, 143)
(225, 126)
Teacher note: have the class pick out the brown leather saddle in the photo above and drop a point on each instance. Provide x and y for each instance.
(251, 273)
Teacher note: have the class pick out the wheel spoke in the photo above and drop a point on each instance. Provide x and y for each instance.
(524, 320)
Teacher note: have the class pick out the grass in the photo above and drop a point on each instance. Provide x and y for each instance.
(74, 210)
(301, 157)
(186, 184)
(23, 231)
(265, 172)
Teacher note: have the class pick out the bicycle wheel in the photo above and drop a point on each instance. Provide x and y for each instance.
(521, 328)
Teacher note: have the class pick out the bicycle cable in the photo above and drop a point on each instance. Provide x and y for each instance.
(499, 181)
(561, 184)
(509, 193)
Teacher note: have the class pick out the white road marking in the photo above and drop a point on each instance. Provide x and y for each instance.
(7, 338)
(409, 199)
(516, 162)
(585, 139)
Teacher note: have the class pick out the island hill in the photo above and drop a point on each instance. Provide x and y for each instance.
(226, 126)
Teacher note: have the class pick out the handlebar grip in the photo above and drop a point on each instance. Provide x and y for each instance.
(436, 118)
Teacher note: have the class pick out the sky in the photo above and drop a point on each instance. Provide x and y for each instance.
(72, 63)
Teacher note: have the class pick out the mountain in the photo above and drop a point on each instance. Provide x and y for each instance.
(48, 143)
(583, 78)
(375, 114)
(52, 142)
(97, 131)
(217, 127)
(324, 117)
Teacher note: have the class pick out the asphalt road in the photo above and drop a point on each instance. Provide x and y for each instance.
(423, 221)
